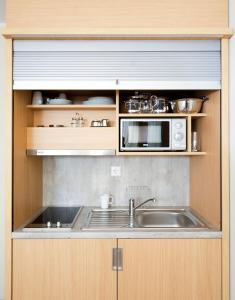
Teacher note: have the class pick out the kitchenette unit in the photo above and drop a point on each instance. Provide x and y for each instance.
(117, 184)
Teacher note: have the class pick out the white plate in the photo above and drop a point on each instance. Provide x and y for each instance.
(98, 100)
(59, 101)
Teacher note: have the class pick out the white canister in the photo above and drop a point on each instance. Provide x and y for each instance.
(37, 98)
(106, 200)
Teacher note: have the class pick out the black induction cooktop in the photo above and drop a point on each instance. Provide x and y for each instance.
(55, 218)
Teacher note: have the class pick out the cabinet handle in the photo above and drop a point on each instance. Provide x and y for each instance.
(117, 264)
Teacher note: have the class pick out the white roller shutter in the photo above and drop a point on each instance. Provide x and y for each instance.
(48, 64)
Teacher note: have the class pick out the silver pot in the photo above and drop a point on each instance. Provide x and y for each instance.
(145, 106)
(159, 104)
(187, 105)
(132, 106)
(137, 103)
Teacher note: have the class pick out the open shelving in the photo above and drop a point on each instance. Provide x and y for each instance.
(90, 138)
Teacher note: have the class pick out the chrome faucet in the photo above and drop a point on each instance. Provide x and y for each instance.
(132, 206)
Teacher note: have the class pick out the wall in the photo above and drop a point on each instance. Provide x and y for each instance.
(2, 10)
(73, 181)
(232, 147)
(1, 155)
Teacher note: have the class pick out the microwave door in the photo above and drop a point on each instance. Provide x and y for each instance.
(159, 135)
(145, 135)
(166, 135)
(154, 135)
(134, 135)
(130, 135)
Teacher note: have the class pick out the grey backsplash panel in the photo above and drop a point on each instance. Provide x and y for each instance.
(81, 180)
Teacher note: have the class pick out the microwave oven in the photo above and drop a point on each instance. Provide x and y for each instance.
(153, 134)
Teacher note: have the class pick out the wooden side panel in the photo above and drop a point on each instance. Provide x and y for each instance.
(116, 14)
(71, 138)
(170, 269)
(205, 184)
(27, 186)
(8, 171)
(225, 170)
(63, 270)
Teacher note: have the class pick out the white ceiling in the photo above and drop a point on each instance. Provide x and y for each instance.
(2, 11)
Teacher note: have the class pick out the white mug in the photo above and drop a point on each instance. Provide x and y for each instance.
(106, 200)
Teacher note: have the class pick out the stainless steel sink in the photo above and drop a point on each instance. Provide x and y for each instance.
(149, 218)
(167, 219)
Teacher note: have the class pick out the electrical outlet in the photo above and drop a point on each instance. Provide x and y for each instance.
(115, 171)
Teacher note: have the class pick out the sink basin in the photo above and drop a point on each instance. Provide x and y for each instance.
(167, 219)
(119, 219)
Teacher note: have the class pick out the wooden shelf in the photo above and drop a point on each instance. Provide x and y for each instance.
(72, 107)
(197, 115)
(161, 153)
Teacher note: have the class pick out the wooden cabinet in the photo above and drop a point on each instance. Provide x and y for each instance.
(63, 270)
(164, 269)
(122, 17)
(170, 269)
(49, 269)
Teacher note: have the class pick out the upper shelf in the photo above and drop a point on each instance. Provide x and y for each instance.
(159, 115)
(112, 107)
(71, 107)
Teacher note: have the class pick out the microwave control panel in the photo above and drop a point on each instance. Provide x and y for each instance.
(178, 136)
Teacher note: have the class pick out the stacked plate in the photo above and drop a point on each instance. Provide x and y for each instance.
(98, 101)
(59, 101)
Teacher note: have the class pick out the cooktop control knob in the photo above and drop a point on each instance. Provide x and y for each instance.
(48, 224)
(58, 224)
(178, 136)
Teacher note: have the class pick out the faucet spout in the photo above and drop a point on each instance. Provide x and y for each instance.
(132, 206)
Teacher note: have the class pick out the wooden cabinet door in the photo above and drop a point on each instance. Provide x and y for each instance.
(172, 269)
(64, 269)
